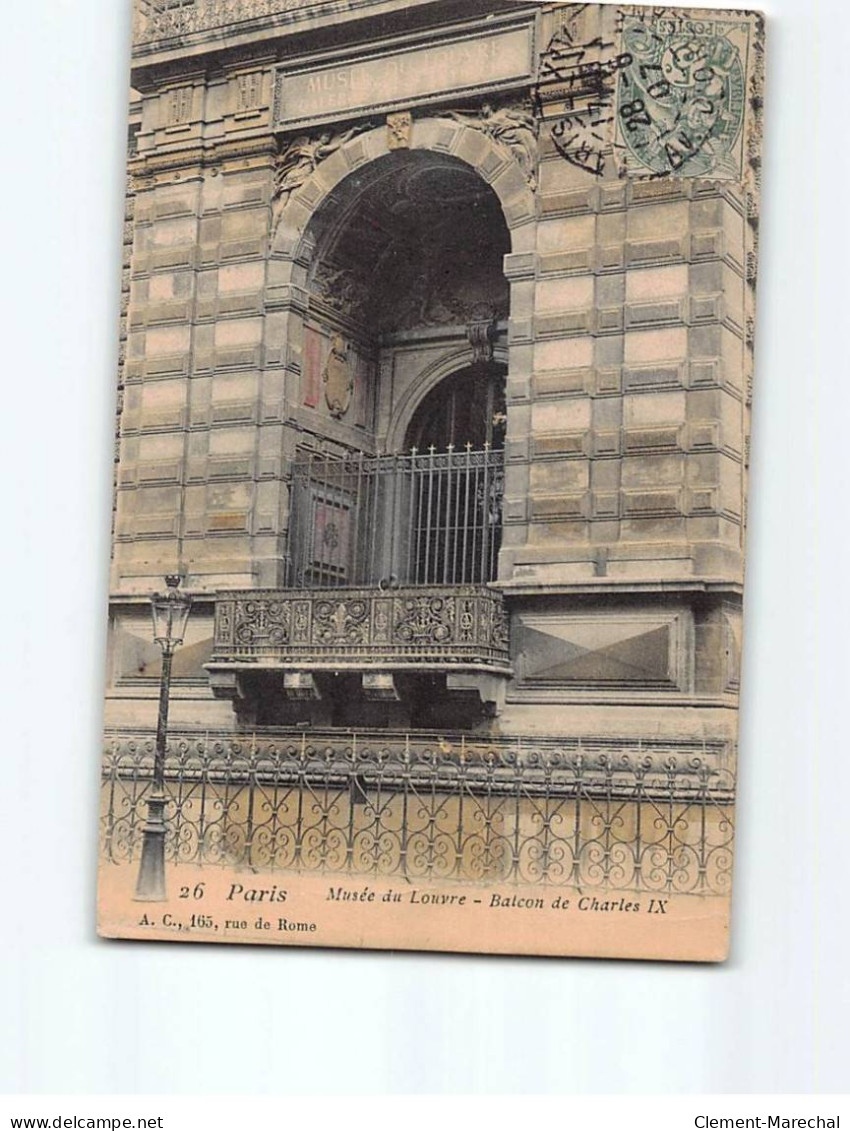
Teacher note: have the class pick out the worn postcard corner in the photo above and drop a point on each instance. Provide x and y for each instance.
(433, 423)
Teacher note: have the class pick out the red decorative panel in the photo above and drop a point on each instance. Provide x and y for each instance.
(312, 371)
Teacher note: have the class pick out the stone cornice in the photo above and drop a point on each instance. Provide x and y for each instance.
(623, 587)
(198, 156)
(211, 19)
(171, 39)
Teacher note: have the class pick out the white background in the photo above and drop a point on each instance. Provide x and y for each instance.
(79, 1015)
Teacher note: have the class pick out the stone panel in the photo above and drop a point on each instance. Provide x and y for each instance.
(563, 653)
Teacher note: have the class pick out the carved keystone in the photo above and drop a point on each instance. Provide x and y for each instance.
(398, 130)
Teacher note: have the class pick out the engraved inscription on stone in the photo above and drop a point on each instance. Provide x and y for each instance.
(407, 76)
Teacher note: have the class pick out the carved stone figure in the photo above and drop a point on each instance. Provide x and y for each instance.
(300, 160)
(429, 305)
(339, 289)
(515, 128)
(398, 130)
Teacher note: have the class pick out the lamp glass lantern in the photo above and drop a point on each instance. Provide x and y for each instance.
(170, 613)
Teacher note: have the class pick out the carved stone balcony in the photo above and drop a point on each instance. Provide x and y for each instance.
(459, 631)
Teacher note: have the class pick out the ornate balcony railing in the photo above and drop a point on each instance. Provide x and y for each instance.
(169, 19)
(652, 815)
(445, 627)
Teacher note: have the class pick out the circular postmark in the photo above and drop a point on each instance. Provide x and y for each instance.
(680, 101)
(574, 96)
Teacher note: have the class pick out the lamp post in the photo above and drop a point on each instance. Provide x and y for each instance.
(170, 613)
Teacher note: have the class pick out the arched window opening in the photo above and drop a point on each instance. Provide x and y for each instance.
(407, 264)
(467, 409)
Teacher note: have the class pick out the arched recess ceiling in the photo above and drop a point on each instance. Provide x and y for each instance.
(412, 240)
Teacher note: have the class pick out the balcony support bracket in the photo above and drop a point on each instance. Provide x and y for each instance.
(490, 689)
(227, 685)
(380, 687)
(301, 686)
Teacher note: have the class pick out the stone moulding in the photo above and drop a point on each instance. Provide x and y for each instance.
(429, 628)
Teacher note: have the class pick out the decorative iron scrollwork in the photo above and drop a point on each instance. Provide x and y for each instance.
(610, 814)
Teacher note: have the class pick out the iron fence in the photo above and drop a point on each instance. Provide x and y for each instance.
(626, 816)
(428, 518)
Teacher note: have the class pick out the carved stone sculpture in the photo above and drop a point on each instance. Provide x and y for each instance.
(300, 159)
(339, 289)
(398, 130)
(513, 127)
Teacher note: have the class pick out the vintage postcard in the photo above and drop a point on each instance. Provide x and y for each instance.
(431, 471)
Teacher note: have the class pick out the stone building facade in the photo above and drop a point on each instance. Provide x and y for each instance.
(442, 419)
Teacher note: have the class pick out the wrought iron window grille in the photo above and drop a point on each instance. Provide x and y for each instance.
(432, 518)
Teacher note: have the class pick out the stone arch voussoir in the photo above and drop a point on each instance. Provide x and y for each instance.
(491, 161)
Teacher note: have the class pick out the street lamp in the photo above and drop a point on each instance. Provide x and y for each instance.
(170, 613)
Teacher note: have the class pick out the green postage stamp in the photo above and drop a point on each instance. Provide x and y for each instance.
(681, 98)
